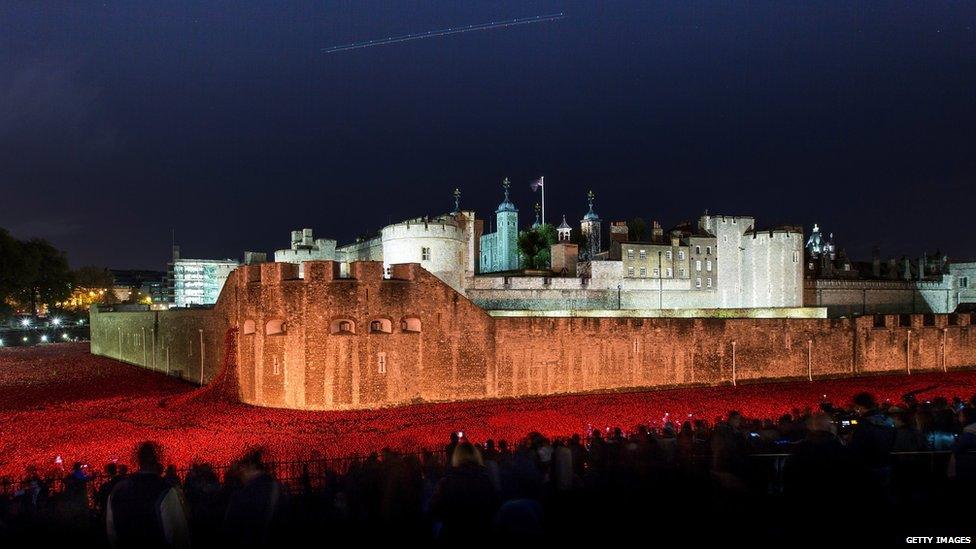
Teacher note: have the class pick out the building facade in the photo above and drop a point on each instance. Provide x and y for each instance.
(197, 282)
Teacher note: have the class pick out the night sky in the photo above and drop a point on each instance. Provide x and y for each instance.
(225, 122)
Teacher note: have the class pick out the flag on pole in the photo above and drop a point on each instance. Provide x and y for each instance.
(535, 185)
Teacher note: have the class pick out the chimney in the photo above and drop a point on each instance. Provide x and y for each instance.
(176, 253)
(876, 262)
(921, 267)
(307, 239)
(892, 268)
(906, 266)
(296, 239)
(657, 233)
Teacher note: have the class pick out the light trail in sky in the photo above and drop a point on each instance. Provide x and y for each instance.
(444, 32)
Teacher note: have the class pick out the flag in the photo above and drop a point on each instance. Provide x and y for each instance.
(535, 185)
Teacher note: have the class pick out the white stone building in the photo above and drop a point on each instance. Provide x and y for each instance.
(304, 247)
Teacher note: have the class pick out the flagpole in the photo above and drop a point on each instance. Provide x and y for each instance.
(542, 179)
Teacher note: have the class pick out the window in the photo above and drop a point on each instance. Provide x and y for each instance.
(342, 326)
(708, 265)
(708, 250)
(630, 254)
(667, 255)
(381, 363)
(698, 265)
(681, 272)
(275, 367)
(425, 254)
(249, 327)
(275, 326)
(796, 256)
(681, 255)
(964, 282)
(656, 272)
(410, 324)
(643, 272)
(810, 265)
(630, 271)
(669, 272)
(643, 254)
(708, 282)
(698, 282)
(697, 250)
(380, 326)
(725, 238)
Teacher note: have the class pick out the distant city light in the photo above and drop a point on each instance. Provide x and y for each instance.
(25, 322)
(81, 321)
(43, 339)
(25, 339)
(64, 336)
(56, 321)
(1, 342)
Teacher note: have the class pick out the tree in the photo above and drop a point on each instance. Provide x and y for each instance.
(95, 279)
(535, 244)
(90, 276)
(636, 229)
(9, 272)
(43, 274)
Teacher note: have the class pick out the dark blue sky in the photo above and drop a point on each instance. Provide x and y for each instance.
(120, 121)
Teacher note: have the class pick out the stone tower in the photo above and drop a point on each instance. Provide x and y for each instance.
(591, 228)
(506, 223)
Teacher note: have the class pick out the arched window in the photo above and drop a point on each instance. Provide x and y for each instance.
(410, 324)
(342, 326)
(380, 326)
(274, 326)
(249, 327)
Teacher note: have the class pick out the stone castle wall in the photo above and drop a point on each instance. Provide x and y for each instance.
(326, 342)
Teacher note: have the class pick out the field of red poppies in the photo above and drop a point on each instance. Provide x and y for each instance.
(58, 401)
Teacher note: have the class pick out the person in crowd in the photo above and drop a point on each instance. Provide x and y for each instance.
(730, 453)
(256, 510)
(172, 476)
(112, 477)
(143, 510)
(962, 466)
(817, 471)
(464, 501)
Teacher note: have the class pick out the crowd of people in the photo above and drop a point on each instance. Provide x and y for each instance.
(912, 463)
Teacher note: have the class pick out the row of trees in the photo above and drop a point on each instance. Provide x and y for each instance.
(34, 273)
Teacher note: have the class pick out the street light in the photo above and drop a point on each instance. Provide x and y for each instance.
(56, 321)
(64, 336)
(43, 339)
(25, 322)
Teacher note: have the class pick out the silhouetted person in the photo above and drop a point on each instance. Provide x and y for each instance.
(816, 471)
(145, 511)
(255, 511)
(730, 453)
(464, 500)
